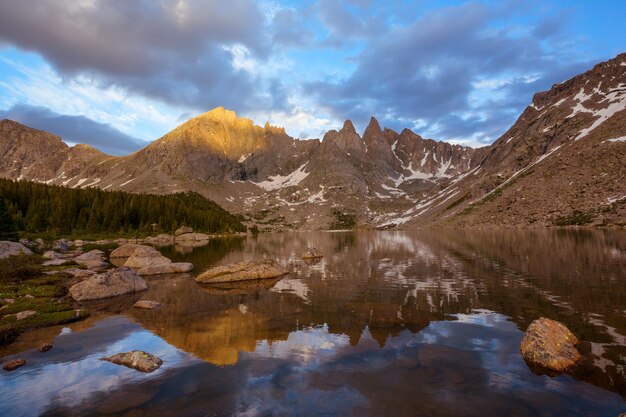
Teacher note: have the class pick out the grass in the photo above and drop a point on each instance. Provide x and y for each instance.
(20, 267)
(21, 280)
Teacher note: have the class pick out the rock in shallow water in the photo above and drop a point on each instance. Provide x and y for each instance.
(148, 305)
(549, 345)
(14, 364)
(45, 347)
(136, 359)
(112, 283)
(171, 268)
(242, 271)
(312, 253)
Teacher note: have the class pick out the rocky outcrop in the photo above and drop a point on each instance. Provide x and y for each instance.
(312, 253)
(242, 271)
(136, 359)
(549, 345)
(112, 283)
(13, 248)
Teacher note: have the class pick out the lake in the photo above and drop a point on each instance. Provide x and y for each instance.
(386, 324)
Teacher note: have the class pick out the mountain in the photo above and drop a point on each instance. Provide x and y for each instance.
(562, 162)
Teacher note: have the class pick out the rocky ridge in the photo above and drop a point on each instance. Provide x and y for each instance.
(570, 141)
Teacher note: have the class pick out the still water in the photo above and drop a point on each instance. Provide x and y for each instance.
(387, 324)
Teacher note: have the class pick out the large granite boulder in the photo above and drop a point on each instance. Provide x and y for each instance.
(124, 251)
(166, 268)
(144, 256)
(549, 345)
(136, 359)
(242, 271)
(112, 283)
(13, 248)
(182, 230)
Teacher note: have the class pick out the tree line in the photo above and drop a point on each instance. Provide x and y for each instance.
(31, 207)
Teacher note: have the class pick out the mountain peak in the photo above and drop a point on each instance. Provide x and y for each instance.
(348, 127)
(219, 114)
(373, 126)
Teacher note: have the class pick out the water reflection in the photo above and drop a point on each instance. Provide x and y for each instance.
(387, 323)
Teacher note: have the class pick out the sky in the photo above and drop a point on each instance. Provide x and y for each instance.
(117, 74)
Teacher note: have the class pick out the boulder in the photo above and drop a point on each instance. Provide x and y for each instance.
(52, 255)
(549, 345)
(12, 248)
(148, 305)
(144, 256)
(124, 251)
(79, 242)
(112, 283)
(182, 230)
(312, 253)
(14, 364)
(192, 237)
(171, 268)
(136, 359)
(242, 271)
(92, 255)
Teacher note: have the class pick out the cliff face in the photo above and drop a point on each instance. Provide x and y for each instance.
(564, 160)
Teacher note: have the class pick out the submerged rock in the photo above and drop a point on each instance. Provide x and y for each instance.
(14, 364)
(242, 271)
(171, 268)
(13, 248)
(312, 253)
(112, 283)
(148, 305)
(136, 359)
(549, 345)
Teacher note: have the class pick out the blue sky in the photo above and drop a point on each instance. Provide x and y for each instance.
(116, 73)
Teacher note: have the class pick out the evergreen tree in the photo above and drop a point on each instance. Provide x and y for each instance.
(7, 227)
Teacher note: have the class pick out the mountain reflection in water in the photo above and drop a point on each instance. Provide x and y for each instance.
(387, 323)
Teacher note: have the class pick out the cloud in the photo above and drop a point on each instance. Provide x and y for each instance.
(74, 129)
(430, 69)
(167, 50)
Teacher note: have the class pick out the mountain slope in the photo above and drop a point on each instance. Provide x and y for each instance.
(562, 162)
